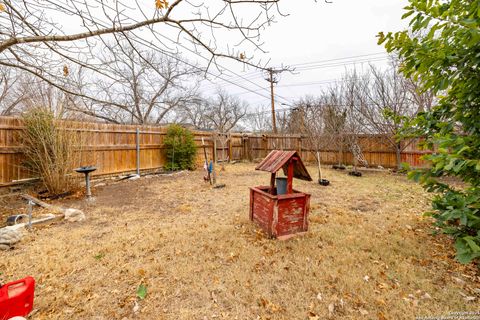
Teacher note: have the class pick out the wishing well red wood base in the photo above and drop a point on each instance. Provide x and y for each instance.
(279, 215)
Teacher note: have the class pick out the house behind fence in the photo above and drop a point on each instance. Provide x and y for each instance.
(112, 148)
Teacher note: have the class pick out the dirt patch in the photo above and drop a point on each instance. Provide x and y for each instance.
(200, 257)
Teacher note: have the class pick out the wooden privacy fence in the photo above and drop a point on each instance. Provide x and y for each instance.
(113, 148)
(375, 148)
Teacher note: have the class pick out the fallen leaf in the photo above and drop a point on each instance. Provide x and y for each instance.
(214, 298)
(313, 316)
(458, 280)
(383, 285)
(142, 291)
(319, 297)
(366, 278)
(99, 256)
(381, 302)
(426, 296)
(363, 312)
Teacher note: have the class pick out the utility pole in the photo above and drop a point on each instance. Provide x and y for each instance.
(274, 120)
(271, 77)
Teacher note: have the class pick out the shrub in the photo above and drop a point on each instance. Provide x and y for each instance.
(180, 148)
(50, 150)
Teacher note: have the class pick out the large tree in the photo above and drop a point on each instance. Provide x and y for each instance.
(441, 50)
(225, 111)
(385, 101)
(141, 86)
(11, 94)
(54, 39)
(222, 112)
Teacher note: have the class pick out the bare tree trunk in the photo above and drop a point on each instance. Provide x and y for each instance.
(319, 166)
(398, 153)
(340, 150)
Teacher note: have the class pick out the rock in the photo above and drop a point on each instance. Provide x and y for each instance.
(74, 215)
(136, 307)
(9, 237)
(331, 309)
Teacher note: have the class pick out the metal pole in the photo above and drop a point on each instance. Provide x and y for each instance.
(214, 136)
(87, 183)
(138, 150)
(30, 209)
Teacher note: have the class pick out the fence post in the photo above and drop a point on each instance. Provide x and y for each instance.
(137, 134)
(215, 137)
(230, 148)
(300, 146)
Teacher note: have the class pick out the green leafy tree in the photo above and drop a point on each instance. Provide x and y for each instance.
(441, 50)
(180, 148)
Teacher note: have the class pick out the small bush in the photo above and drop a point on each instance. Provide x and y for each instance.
(180, 148)
(50, 150)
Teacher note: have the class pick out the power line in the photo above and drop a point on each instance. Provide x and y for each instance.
(337, 59)
(326, 62)
(292, 108)
(322, 66)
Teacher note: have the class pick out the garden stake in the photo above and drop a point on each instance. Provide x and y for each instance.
(30, 209)
(206, 161)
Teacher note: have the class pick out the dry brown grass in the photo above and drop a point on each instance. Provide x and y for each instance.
(368, 254)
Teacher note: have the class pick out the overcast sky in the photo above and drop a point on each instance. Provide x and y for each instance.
(315, 32)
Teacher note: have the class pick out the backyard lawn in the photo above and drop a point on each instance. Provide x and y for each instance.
(368, 254)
